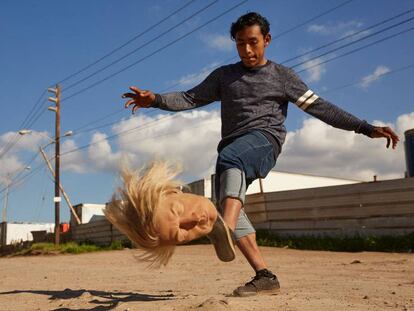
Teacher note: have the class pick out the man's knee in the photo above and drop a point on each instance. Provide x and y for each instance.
(232, 184)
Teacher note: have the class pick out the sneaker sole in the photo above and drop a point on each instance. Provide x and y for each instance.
(262, 292)
(224, 248)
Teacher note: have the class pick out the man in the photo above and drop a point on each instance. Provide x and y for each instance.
(254, 95)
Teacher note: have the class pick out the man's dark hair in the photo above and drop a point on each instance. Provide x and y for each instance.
(250, 19)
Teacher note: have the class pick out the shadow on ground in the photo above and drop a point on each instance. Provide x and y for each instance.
(102, 299)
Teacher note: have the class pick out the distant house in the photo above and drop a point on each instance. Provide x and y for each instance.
(16, 232)
(87, 212)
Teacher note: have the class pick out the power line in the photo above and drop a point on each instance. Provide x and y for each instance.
(17, 181)
(360, 80)
(144, 126)
(349, 36)
(358, 49)
(221, 63)
(111, 114)
(303, 54)
(126, 43)
(312, 19)
(141, 46)
(156, 51)
(33, 116)
(348, 44)
(355, 41)
(13, 140)
(278, 35)
(173, 115)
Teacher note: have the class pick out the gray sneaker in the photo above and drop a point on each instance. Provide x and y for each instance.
(265, 282)
(221, 238)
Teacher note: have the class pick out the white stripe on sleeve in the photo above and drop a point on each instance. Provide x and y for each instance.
(300, 101)
(309, 102)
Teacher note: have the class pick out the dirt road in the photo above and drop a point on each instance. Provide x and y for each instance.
(196, 280)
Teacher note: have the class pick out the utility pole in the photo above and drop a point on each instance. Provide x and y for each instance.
(57, 198)
(6, 199)
(42, 152)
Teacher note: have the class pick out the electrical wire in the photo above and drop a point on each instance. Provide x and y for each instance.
(13, 141)
(355, 41)
(349, 36)
(376, 42)
(358, 49)
(141, 46)
(358, 82)
(154, 52)
(33, 116)
(175, 132)
(80, 129)
(126, 43)
(312, 19)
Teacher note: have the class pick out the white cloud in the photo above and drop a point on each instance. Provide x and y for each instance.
(320, 149)
(11, 162)
(190, 138)
(405, 122)
(367, 80)
(339, 28)
(218, 42)
(195, 78)
(30, 141)
(313, 70)
(74, 161)
(101, 155)
(10, 165)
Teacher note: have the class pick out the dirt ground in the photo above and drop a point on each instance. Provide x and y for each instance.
(197, 280)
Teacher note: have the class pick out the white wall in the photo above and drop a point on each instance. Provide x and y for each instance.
(281, 181)
(17, 232)
(90, 210)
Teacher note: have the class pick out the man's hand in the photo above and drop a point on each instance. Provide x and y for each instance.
(139, 99)
(387, 133)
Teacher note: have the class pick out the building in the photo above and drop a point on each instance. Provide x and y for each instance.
(17, 232)
(275, 181)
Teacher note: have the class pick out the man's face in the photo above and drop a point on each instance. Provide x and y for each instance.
(251, 46)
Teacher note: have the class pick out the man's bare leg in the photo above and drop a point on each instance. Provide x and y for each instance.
(265, 280)
(247, 244)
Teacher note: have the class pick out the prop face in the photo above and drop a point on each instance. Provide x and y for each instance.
(183, 217)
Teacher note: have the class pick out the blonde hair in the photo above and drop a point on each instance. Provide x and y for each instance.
(133, 206)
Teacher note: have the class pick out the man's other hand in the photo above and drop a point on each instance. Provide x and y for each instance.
(139, 98)
(387, 133)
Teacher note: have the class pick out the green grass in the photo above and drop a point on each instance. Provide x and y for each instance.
(403, 243)
(68, 248)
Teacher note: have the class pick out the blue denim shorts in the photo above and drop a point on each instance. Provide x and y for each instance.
(239, 163)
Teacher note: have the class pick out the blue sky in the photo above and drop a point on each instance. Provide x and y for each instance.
(44, 42)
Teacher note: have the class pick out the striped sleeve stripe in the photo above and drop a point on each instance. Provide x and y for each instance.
(306, 99)
(309, 102)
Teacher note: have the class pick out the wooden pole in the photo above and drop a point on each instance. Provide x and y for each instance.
(60, 186)
(57, 198)
(261, 185)
(6, 199)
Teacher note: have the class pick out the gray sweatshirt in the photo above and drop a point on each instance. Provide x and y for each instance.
(257, 99)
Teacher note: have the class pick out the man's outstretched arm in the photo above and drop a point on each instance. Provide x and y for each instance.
(298, 93)
(204, 93)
